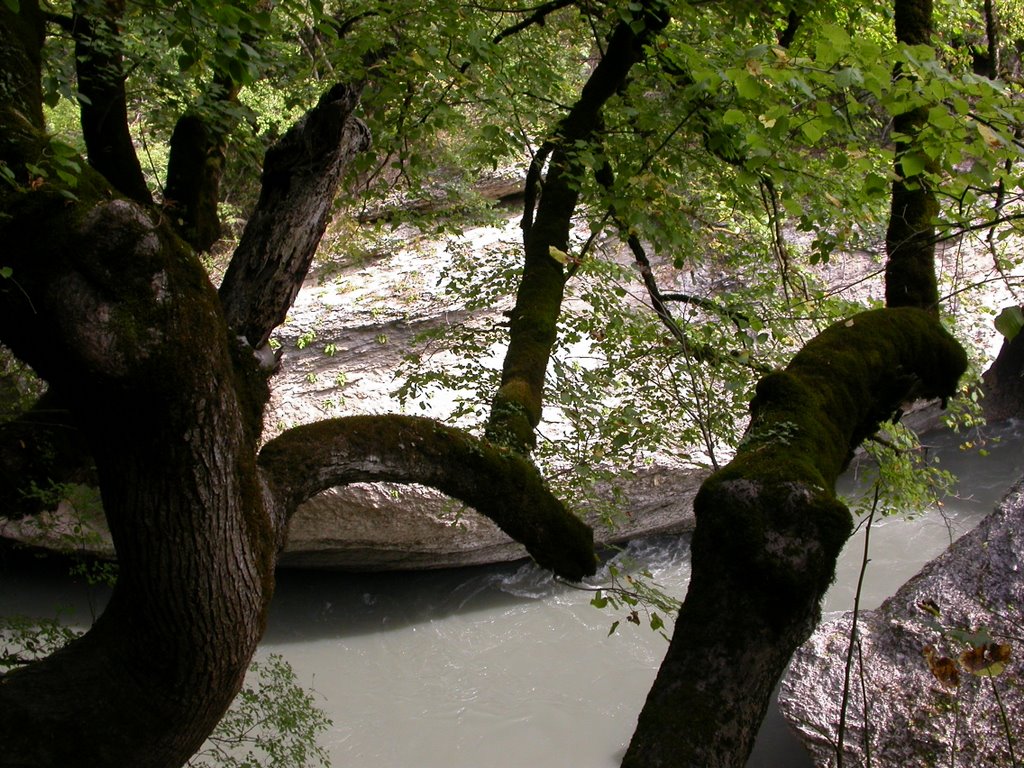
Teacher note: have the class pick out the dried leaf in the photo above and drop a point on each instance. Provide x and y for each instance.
(942, 667)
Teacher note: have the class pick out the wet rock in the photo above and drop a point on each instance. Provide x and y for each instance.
(899, 709)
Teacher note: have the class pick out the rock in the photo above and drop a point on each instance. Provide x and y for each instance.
(913, 718)
(1004, 382)
(373, 527)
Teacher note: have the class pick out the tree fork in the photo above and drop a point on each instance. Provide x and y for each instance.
(769, 530)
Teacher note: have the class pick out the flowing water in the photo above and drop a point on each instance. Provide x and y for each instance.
(502, 667)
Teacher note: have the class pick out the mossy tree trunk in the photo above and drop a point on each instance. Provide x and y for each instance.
(769, 530)
(516, 408)
(158, 372)
(769, 527)
(910, 238)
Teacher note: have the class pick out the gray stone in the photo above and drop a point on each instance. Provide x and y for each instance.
(372, 527)
(913, 719)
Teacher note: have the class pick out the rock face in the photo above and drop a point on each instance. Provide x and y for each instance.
(390, 527)
(1004, 382)
(914, 718)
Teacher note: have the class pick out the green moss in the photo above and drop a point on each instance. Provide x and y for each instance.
(772, 510)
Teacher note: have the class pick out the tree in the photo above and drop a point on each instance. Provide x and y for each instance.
(165, 377)
(115, 312)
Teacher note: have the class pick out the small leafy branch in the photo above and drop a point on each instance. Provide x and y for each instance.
(634, 593)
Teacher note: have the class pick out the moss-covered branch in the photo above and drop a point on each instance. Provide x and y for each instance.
(769, 530)
(405, 449)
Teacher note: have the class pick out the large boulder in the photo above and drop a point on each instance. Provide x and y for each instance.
(913, 699)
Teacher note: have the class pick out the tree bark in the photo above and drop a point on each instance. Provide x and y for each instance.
(497, 483)
(769, 530)
(516, 408)
(104, 107)
(910, 238)
(300, 178)
(194, 170)
(114, 310)
(1004, 382)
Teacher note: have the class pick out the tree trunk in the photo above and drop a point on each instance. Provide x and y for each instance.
(516, 408)
(115, 311)
(910, 238)
(769, 530)
(104, 107)
(1004, 382)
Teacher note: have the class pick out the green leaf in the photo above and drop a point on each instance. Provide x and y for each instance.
(6, 272)
(12, 5)
(1009, 322)
(558, 255)
(913, 164)
(849, 76)
(614, 626)
(734, 117)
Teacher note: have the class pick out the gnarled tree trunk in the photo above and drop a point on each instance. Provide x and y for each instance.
(116, 312)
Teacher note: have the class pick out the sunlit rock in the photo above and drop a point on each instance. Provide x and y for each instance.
(920, 690)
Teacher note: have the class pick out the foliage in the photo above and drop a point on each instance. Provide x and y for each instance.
(273, 723)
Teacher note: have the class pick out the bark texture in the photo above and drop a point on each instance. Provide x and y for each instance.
(769, 530)
(1004, 382)
(300, 178)
(498, 483)
(910, 238)
(516, 408)
(100, 68)
(194, 171)
(115, 311)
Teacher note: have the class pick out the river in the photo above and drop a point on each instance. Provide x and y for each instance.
(504, 667)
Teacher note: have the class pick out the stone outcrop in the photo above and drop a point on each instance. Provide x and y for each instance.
(914, 718)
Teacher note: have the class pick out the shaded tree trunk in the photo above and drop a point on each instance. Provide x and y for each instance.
(516, 408)
(769, 530)
(104, 107)
(1004, 382)
(115, 310)
(769, 527)
(910, 237)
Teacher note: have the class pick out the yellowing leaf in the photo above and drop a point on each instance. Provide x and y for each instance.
(558, 255)
(986, 660)
(989, 136)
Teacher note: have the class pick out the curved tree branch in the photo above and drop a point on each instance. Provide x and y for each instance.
(769, 530)
(404, 449)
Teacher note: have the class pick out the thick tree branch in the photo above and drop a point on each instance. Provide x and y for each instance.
(403, 449)
(194, 169)
(769, 530)
(104, 107)
(300, 177)
(910, 237)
